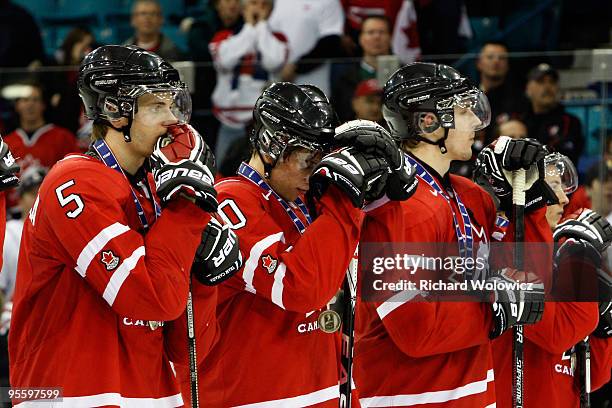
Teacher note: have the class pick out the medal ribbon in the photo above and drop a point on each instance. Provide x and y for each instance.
(465, 238)
(250, 174)
(109, 159)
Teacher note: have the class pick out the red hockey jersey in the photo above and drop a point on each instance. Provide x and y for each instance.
(2, 222)
(426, 354)
(548, 372)
(271, 352)
(94, 295)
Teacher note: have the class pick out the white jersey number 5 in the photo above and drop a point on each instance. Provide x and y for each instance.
(65, 200)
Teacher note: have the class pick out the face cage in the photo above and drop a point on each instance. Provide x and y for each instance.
(472, 100)
(181, 98)
(563, 167)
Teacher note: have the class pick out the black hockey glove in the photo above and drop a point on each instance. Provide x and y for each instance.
(494, 166)
(183, 162)
(218, 256)
(590, 230)
(370, 137)
(511, 305)
(586, 225)
(8, 168)
(360, 175)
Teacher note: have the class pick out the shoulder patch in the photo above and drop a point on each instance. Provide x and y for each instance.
(109, 259)
(269, 263)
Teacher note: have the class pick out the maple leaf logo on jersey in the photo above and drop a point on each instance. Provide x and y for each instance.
(269, 263)
(109, 259)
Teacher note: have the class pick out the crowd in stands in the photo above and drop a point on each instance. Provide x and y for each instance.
(240, 46)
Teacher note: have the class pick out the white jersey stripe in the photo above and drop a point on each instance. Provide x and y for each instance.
(277, 286)
(253, 260)
(98, 242)
(396, 301)
(433, 397)
(120, 275)
(305, 400)
(109, 398)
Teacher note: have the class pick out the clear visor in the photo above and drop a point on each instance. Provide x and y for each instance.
(560, 173)
(471, 110)
(165, 102)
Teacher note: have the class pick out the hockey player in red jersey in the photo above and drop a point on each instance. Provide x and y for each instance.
(412, 350)
(8, 179)
(104, 271)
(279, 345)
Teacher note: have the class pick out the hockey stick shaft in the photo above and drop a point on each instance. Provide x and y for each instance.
(518, 360)
(193, 361)
(348, 330)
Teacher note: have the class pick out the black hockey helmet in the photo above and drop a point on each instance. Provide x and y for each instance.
(292, 115)
(113, 77)
(420, 88)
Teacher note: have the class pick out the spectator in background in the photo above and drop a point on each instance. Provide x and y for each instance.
(375, 40)
(546, 119)
(505, 98)
(220, 15)
(358, 10)
(20, 41)
(66, 107)
(367, 101)
(147, 20)
(35, 141)
(29, 183)
(313, 30)
(246, 60)
(513, 128)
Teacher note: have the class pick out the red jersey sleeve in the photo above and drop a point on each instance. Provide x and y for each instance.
(417, 327)
(139, 277)
(300, 277)
(563, 325)
(601, 361)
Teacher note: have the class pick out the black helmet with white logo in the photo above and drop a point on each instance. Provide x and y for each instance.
(422, 87)
(292, 115)
(113, 77)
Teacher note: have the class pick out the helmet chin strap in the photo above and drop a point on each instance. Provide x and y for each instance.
(441, 143)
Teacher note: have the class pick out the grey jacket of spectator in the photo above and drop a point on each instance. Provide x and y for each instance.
(167, 48)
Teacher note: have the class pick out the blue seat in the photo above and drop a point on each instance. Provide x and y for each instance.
(176, 35)
(79, 8)
(38, 8)
(483, 30)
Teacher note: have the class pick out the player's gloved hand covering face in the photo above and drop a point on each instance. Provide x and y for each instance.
(371, 138)
(183, 162)
(8, 168)
(514, 306)
(360, 175)
(218, 256)
(494, 166)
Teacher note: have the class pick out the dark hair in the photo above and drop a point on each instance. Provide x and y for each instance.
(494, 42)
(378, 17)
(74, 36)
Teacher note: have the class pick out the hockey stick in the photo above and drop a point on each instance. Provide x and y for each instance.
(583, 350)
(348, 330)
(193, 361)
(518, 360)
